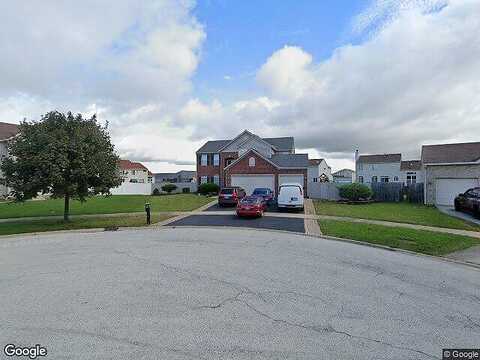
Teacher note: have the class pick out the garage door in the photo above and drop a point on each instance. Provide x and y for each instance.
(250, 182)
(448, 189)
(289, 179)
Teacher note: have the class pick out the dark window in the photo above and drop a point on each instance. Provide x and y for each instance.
(226, 191)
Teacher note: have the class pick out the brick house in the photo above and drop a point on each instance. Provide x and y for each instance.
(250, 161)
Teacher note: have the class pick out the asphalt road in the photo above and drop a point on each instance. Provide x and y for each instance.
(271, 223)
(230, 294)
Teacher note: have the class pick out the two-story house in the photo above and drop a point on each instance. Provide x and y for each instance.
(182, 176)
(250, 161)
(134, 172)
(319, 171)
(344, 176)
(378, 168)
(7, 132)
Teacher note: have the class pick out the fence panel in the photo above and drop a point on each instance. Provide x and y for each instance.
(323, 191)
(128, 188)
(182, 187)
(388, 192)
(415, 193)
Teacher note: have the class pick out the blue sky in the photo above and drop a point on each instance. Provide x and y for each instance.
(242, 34)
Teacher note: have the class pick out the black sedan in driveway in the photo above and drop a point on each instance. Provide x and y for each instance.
(469, 201)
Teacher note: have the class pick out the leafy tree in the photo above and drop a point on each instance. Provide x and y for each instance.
(355, 192)
(169, 188)
(208, 188)
(65, 156)
(156, 192)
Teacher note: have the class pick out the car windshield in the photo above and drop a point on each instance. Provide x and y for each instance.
(226, 191)
(260, 191)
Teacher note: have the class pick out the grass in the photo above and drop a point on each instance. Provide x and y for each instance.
(426, 242)
(104, 205)
(20, 227)
(397, 212)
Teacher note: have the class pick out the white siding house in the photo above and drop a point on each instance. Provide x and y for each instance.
(378, 168)
(317, 168)
(137, 179)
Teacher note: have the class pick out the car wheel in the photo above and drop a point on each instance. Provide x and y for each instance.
(476, 213)
(457, 206)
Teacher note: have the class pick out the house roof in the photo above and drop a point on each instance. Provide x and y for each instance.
(290, 160)
(412, 165)
(132, 165)
(338, 173)
(451, 153)
(379, 158)
(313, 162)
(8, 130)
(281, 143)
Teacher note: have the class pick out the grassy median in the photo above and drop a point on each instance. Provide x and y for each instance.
(426, 242)
(402, 212)
(19, 227)
(103, 205)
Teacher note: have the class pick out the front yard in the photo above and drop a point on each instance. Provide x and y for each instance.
(104, 205)
(426, 242)
(396, 212)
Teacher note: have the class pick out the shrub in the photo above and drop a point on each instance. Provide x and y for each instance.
(156, 192)
(169, 188)
(185, 190)
(355, 192)
(208, 188)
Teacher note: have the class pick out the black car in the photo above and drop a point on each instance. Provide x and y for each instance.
(469, 201)
(230, 195)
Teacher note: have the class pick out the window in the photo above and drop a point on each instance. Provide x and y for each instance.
(228, 162)
(384, 179)
(141, 181)
(203, 159)
(149, 179)
(133, 172)
(374, 179)
(315, 179)
(411, 178)
(203, 180)
(251, 161)
(360, 179)
(216, 180)
(216, 159)
(133, 180)
(395, 178)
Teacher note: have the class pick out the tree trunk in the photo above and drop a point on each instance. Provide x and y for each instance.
(66, 210)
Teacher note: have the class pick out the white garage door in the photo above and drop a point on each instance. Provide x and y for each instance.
(289, 179)
(250, 182)
(448, 189)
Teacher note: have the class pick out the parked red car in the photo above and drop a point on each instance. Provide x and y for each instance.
(251, 206)
(230, 195)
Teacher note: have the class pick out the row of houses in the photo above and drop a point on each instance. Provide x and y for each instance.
(445, 170)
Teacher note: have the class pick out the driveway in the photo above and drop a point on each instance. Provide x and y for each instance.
(449, 210)
(236, 294)
(272, 208)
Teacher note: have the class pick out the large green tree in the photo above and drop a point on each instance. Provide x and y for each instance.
(63, 155)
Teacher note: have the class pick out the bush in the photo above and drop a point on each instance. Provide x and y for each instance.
(185, 190)
(355, 192)
(208, 188)
(169, 188)
(156, 192)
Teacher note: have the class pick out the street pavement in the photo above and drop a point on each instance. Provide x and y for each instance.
(201, 293)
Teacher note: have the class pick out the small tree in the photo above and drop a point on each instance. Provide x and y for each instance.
(156, 192)
(355, 192)
(65, 156)
(169, 188)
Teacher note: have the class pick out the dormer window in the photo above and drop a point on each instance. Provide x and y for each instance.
(251, 162)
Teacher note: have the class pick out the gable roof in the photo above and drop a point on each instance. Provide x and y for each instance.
(451, 153)
(293, 161)
(339, 172)
(313, 162)
(279, 143)
(379, 158)
(131, 165)
(412, 165)
(8, 130)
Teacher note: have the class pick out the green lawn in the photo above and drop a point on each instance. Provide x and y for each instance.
(82, 223)
(104, 205)
(421, 241)
(398, 212)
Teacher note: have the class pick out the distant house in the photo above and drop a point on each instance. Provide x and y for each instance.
(378, 168)
(319, 171)
(344, 176)
(411, 172)
(450, 169)
(137, 179)
(182, 176)
(7, 132)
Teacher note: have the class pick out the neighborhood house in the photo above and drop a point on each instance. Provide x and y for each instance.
(7, 132)
(344, 176)
(251, 162)
(137, 179)
(319, 171)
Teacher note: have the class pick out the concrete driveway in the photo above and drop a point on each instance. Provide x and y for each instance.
(230, 294)
(450, 210)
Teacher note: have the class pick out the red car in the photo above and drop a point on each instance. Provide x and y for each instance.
(251, 206)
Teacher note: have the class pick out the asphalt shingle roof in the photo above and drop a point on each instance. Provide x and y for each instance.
(8, 130)
(281, 143)
(290, 160)
(411, 165)
(379, 158)
(451, 153)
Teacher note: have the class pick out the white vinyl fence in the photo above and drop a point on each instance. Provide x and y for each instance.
(128, 188)
(191, 186)
(323, 191)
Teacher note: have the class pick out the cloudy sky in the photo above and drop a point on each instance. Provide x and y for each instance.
(378, 75)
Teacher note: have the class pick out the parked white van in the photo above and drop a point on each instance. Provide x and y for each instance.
(290, 196)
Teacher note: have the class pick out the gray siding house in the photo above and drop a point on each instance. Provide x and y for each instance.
(450, 169)
(378, 168)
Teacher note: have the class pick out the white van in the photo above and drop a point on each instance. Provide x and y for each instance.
(290, 196)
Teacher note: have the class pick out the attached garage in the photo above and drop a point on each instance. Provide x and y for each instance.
(447, 189)
(250, 182)
(291, 178)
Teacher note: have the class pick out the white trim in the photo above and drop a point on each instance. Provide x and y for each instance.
(248, 152)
